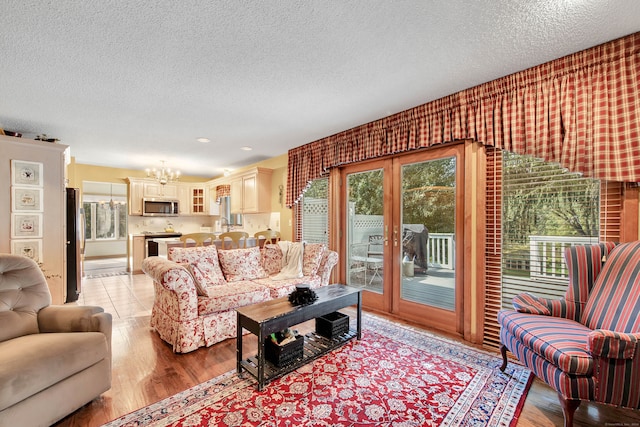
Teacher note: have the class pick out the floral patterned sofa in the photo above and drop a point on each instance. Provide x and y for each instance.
(197, 289)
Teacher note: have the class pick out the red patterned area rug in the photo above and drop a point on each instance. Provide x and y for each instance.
(395, 376)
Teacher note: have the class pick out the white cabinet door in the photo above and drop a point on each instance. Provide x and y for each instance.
(184, 200)
(236, 203)
(155, 190)
(251, 191)
(136, 193)
(199, 200)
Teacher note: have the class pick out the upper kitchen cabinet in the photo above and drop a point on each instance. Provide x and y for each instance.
(136, 192)
(251, 191)
(155, 190)
(193, 199)
(199, 200)
(141, 188)
(184, 200)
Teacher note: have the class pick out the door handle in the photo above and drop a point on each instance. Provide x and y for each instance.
(386, 235)
(395, 235)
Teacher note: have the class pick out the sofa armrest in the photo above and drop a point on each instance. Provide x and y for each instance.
(74, 318)
(174, 287)
(613, 345)
(327, 262)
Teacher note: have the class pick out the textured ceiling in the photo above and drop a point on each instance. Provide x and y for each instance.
(130, 83)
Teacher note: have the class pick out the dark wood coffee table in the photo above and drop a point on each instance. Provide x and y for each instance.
(265, 318)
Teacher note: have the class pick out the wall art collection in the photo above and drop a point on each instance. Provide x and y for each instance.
(27, 202)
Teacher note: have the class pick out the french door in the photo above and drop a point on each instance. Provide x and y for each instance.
(403, 220)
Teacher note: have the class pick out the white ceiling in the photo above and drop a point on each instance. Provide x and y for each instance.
(130, 83)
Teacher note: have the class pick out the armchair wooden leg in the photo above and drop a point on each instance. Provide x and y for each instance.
(503, 352)
(569, 407)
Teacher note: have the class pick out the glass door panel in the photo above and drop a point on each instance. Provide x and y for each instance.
(428, 211)
(364, 227)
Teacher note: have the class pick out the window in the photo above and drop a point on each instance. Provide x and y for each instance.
(544, 210)
(533, 211)
(105, 211)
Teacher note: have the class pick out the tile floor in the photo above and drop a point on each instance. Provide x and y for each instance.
(122, 295)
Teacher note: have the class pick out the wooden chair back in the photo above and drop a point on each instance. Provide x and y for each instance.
(269, 236)
(199, 238)
(235, 237)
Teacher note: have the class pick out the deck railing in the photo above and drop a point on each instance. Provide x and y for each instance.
(441, 250)
(546, 255)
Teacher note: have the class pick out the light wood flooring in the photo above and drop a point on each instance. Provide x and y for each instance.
(145, 370)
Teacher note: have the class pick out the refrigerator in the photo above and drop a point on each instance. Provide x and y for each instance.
(75, 243)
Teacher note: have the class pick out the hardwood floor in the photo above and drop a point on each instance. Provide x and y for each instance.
(145, 370)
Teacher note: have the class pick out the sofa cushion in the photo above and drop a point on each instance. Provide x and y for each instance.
(560, 341)
(32, 363)
(282, 288)
(200, 279)
(241, 264)
(271, 258)
(202, 262)
(311, 259)
(617, 283)
(231, 296)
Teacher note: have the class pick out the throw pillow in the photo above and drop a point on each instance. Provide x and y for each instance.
(211, 271)
(311, 259)
(241, 264)
(271, 258)
(198, 279)
(528, 303)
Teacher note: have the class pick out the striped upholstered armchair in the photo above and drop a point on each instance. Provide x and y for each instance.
(586, 345)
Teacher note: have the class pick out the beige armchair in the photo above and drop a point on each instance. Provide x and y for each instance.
(53, 359)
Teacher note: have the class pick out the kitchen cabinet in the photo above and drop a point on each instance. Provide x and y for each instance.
(140, 188)
(137, 252)
(136, 193)
(184, 200)
(157, 190)
(199, 200)
(251, 191)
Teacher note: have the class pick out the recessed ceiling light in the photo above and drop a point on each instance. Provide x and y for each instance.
(201, 139)
(246, 148)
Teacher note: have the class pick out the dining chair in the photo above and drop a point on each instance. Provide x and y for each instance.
(238, 239)
(269, 236)
(198, 238)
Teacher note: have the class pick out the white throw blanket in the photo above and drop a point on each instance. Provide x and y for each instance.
(292, 253)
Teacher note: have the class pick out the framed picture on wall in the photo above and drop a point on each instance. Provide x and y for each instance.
(26, 225)
(26, 199)
(31, 248)
(26, 173)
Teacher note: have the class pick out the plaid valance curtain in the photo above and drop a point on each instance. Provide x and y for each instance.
(582, 111)
(222, 191)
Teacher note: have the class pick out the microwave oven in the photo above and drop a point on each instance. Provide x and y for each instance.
(159, 207)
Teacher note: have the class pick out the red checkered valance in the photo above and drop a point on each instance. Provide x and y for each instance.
(222, 191)
(582, 111)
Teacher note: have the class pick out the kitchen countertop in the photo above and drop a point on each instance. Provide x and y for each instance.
(160, 234)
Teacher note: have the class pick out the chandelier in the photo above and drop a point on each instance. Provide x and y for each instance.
(163, 175)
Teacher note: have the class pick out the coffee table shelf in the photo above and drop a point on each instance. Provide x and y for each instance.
(315, 346)
(267, 317)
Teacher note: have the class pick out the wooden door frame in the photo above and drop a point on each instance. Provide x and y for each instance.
(470, 319)
(433, 316)
(370, 300)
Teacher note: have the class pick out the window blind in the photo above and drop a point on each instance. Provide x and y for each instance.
(534, 211)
